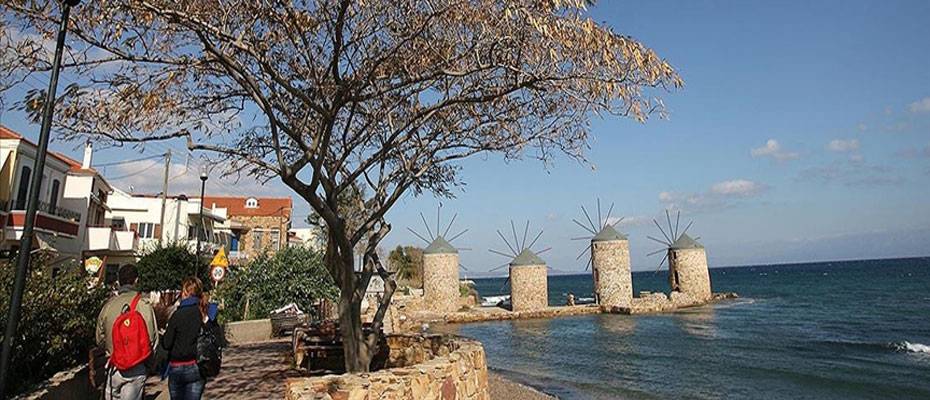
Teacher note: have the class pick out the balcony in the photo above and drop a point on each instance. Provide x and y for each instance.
(106, 238)
(47, 208)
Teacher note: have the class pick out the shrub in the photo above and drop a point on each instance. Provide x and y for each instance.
(57, 321)
(292, 275)
(164, 267)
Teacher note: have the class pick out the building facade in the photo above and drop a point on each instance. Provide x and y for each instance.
(254, 224)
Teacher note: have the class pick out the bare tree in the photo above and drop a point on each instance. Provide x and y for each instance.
(324, 95)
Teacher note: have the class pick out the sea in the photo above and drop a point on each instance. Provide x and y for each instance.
(825, 330)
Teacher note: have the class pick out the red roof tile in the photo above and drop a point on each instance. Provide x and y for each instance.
(267, 206)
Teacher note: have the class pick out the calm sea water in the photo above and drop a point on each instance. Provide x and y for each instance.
(835, 330)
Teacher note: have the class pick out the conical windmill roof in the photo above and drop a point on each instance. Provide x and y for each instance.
(527, 257)
(440, 246)
(608, 234)
(685, 242)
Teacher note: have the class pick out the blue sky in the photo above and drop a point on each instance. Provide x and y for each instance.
(802, 133)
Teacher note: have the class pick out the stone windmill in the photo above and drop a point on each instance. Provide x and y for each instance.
(529, 278)
(687, 260)
(609, 257)
(440, 266)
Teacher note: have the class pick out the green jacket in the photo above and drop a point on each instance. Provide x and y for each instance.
(112, 309)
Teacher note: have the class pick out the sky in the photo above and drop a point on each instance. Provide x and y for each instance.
(802, 133)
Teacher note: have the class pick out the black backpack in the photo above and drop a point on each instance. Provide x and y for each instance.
(210, 345)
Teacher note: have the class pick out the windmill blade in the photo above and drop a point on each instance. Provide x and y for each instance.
(525, 231)
(463, 266)
(464, 248)
(677, 219)
(600, 221)
(418, 235)
(515, 240)
(618, 222)
(438, 209)
(669, 219)
(660, 264)
(505, 284)
(607, 220)
(450, 224)
(696, 238)
(500, 253)
(543, 250)
(686, 228)
(583, 227)
(457, 236)
(656, 252)
(661, 230)
(537, 238)
(659, 241)
(505, 241)
(588, 264)
(498, 267)
(583, 238)
(422, 218)
(589, 219)
(582, 253)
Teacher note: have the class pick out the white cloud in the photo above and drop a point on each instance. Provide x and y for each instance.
(774, 150)
(634, 220)
(862, 127)
(736, 187)
(843, 145)
(920, 106)
(719, 196)
(851, 173)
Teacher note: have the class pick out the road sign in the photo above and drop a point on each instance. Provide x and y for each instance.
(218, 265)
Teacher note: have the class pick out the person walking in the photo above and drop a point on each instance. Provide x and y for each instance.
(136, 336)
(180, 341)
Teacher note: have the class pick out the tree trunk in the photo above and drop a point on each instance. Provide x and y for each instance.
(355, 349)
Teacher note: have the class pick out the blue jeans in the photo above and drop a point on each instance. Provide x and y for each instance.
(185, 383)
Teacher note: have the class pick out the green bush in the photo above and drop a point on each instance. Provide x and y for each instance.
(164, 267)
(57, 321)
(292, 275)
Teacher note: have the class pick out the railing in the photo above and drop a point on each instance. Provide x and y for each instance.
(48, 209)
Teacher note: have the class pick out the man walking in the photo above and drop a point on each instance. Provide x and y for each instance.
(127, 382)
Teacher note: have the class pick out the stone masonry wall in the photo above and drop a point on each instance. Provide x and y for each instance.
(529, 287)
(422, 367)
(611, 263)
(693, 276)
(441, 282)
(247, 243)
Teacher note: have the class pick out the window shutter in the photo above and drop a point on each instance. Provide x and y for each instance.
(157, 231)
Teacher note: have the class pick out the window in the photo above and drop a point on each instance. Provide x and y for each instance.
(53, 196)
(146, 230)
(23, 189)
(251, 202)
(275, 239)
(257, 240)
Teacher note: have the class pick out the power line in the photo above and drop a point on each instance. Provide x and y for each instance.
(129, 161)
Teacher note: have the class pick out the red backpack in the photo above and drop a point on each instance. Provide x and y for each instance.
(131, 345)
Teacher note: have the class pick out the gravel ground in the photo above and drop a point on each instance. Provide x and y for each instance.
(504, 389)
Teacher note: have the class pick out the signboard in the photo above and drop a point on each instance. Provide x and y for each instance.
(218, 265)
(92, 265)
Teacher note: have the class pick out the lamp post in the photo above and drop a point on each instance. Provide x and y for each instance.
(25, 244)
(203, 226)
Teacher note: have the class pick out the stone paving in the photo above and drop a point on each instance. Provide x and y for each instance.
(250, 371)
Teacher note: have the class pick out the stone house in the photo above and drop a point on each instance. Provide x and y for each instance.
(255, 224)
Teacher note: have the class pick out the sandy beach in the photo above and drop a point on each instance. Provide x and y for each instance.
(504, 389)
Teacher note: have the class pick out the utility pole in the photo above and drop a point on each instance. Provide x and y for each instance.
(164, 196)
(32, 204)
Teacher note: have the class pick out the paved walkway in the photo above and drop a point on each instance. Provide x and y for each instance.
(250, 371)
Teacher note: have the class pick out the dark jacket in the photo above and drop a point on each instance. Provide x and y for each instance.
(183, 328)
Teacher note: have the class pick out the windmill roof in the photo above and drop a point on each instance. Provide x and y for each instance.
(440, 246)
(527, 257)
(608, 234)
(685, 242)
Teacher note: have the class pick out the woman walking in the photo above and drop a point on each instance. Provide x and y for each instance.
(180, 341)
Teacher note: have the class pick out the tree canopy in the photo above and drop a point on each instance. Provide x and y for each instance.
(383, 95)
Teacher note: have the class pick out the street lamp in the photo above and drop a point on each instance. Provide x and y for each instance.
(25, 244)
(203, 226)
